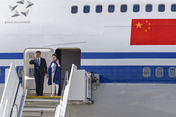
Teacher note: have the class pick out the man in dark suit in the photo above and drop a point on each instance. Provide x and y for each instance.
(40, 70)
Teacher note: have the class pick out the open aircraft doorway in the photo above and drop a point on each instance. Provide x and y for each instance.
(67, 57)
(29, 80)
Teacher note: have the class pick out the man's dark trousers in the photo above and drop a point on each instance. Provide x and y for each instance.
(39, 81)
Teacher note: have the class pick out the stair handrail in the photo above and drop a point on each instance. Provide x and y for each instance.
(61, 99)
(61, 109)
(65, 83)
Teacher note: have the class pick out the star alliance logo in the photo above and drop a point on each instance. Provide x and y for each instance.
(26, 6)
(20, 11)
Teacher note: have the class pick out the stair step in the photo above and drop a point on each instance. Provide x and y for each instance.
(37, 116)
(42, 100)
(47, 97)
(35, 105)
(38, 109)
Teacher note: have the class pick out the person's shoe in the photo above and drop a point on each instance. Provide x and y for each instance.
(36, 94)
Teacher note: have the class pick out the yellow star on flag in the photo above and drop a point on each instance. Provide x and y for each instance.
(138, 25)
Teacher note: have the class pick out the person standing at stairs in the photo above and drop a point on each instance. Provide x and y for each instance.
(54, 75)
(40, 70)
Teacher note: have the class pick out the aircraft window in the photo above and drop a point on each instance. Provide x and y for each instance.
(136, 8)
(86, 9)
(31, 55)
(172, 72)
(148, 8)
(111, 8)
(74, 9)
(99, 8)
(159, 72)
(124, 8)
(161, 8)
(173, 7)
(146, 72)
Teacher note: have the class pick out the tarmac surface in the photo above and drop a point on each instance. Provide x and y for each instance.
(118, 100)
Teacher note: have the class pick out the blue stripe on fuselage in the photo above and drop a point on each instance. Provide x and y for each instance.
(127, 55)
(105, 55)
(11, 55)
(121, 74)
(111, 74)
(130, 74)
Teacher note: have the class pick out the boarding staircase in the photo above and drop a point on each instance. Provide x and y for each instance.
(14, 102)
(13, 97)
(50, 106)
(46, 105)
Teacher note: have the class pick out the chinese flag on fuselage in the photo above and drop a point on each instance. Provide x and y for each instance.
(153, 32)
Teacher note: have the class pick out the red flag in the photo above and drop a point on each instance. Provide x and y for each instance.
(153, 32)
